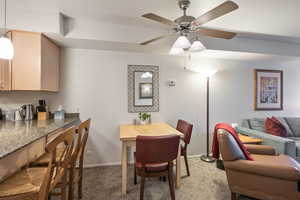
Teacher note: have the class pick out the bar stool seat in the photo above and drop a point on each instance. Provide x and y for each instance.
(45, 158)
(25, 183)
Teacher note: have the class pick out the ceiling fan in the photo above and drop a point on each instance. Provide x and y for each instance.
(186, 24)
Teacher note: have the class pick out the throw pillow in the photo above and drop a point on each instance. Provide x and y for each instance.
(274, 127)
(257, 124)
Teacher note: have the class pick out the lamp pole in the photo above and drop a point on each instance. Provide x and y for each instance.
(207, 157)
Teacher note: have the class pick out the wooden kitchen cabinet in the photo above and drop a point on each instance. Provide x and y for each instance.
(35, 65)
(5, 75)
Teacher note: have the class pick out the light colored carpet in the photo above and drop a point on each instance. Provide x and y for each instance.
(206, 182)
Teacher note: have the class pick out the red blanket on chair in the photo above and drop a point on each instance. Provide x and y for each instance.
(229, 129)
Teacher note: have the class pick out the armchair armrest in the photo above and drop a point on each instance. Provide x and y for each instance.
(288, 171)
(261, 149)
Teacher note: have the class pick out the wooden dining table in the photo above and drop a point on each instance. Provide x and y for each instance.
(128, 135)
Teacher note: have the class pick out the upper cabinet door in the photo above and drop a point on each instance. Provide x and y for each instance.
(35, 65)
(5, 75)
(26, 64)
(50, 65)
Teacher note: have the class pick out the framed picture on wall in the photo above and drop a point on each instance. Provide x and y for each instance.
(268, 94)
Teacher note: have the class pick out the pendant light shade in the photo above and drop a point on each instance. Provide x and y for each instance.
(182, 42)
(6, 48)
(197, 46)
(176, 51)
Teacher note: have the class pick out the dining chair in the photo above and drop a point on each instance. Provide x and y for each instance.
(186, 129)
(154, 158)
(75, 168)
(37, 183)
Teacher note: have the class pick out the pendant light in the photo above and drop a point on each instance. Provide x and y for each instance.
(6, 46)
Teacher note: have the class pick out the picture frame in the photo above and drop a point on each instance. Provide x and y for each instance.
(142, 105)
(268, 89)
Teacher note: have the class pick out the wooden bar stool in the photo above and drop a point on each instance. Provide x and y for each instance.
(77, 157)
(37, 183)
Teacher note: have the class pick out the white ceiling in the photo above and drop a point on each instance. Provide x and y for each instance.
(271, 17)
(235, 55)
(118, 24)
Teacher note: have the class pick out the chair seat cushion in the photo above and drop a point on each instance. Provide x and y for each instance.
(154, 167)
(282, 166)
(26, 182)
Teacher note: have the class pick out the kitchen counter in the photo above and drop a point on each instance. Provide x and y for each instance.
(15, 135)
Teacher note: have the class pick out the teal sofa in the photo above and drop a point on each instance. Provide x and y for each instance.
(289, 145)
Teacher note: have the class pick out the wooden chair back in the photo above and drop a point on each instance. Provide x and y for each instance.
(57, 167)
(156, 149)
(83, 134)
(185, 128)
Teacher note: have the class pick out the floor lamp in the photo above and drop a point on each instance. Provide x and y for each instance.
(208, 75)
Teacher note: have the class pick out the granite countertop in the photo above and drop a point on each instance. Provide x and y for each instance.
(15, 135)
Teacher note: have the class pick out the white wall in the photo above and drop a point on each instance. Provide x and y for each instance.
(95, 84)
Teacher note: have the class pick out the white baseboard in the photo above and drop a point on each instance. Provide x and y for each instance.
(119, 163)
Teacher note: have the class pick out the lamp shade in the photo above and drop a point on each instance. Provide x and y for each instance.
(176, 51)
(197, 46)
(6, 48)
(207, 73)
(182, 42)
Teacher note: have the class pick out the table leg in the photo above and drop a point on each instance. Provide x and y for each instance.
(178, 167)
(124, 168)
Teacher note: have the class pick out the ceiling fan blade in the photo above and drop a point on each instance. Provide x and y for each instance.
(159, 19)
(216, 33)
(218, 11)
(155, 39)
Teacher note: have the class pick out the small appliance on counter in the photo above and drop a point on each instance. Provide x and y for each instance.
(27, 112)
(10, 115)
(18, 115)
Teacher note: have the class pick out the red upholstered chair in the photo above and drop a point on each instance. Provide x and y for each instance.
(154, 158)
(185, 128)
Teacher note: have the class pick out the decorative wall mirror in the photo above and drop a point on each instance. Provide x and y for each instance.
(143, 88)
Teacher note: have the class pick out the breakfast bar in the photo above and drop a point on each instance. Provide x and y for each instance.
(24, 141)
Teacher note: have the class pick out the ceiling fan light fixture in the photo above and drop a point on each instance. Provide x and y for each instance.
(182, 42)
(197, 46)
(176, 51)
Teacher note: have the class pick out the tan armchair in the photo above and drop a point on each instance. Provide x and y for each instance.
(268, 177)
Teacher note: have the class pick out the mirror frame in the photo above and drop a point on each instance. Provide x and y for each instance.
(143, 68)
